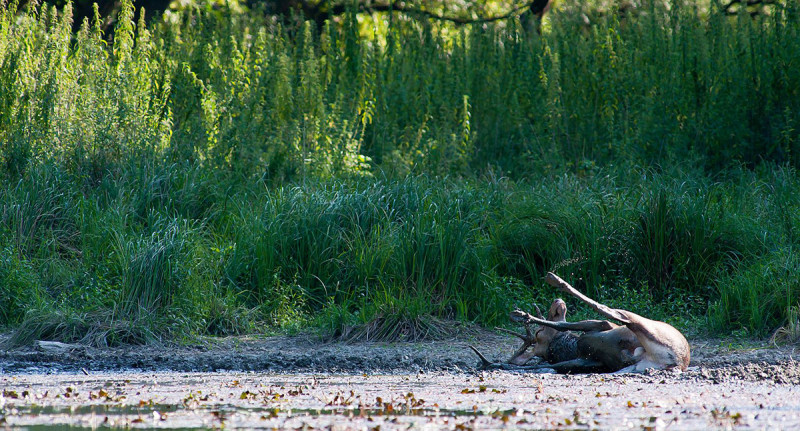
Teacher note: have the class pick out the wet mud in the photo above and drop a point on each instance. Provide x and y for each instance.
(285, 382)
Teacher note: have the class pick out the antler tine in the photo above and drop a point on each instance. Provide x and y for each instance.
(526, 339)
(538, 311)
(485, 363)
(520, 316)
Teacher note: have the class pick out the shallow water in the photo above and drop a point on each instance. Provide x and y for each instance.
(179, 400)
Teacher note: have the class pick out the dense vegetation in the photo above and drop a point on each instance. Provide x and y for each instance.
(221, 173)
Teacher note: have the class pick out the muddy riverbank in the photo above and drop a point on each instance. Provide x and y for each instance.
(296, 382)
(712, 359)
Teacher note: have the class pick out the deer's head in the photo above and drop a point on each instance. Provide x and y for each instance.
(544, 335)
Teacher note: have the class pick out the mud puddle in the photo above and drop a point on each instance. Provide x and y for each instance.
(255, 400)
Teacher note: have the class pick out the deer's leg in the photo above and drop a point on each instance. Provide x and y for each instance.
(605, 310)
(663, 345)
(577, 366)
(521, 356)
(583, 325)
(615, 348)
(488, 365)
(640, 366)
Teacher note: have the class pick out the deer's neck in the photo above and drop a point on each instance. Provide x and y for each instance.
(563, 347)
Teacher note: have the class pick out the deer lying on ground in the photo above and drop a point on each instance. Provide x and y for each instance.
(636, 345)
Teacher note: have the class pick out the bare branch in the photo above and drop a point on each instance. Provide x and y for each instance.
(727, 8)
(315, 11)
(400, 6)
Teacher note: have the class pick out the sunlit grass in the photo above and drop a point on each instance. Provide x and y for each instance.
(226, 173)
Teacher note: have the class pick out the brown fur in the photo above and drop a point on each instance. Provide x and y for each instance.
(640, 344)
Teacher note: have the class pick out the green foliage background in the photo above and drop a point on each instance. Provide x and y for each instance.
(219, 172)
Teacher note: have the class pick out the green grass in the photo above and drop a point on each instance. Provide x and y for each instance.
(240, 93)
(220, 173)
(337, 254)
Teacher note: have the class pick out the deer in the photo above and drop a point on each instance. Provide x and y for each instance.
(548, 343)
(638, 344)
